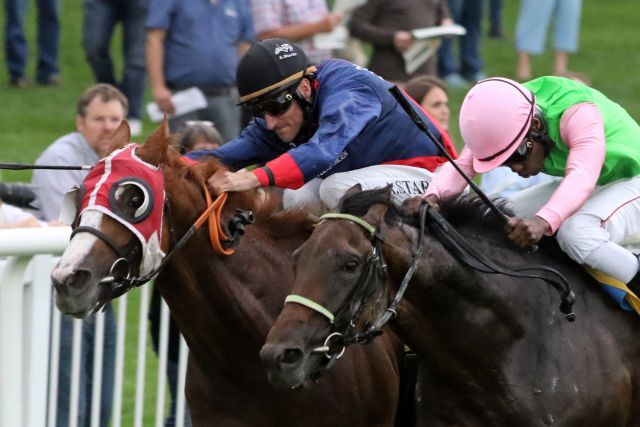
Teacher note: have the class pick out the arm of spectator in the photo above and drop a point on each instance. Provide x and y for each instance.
(402, 40)
(242, 48)
(362, 25)
(297, 32)
(447, 21)
(443, 13)
(14, 217)
(155, 63)
(25, 223)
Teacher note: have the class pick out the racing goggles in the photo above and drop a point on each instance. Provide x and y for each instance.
(522, 153)
(274, 106)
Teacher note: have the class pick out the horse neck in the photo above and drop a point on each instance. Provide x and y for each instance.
(448, 306)
(224, 302)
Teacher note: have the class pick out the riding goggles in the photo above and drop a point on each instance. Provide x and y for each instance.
(274, 106)
(522, 153)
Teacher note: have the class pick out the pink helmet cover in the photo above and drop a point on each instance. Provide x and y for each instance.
(494, 118)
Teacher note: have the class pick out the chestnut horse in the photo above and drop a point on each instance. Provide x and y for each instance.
(224, 305)
(495, 349)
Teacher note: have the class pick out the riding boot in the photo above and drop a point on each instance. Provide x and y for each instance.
(634, 283)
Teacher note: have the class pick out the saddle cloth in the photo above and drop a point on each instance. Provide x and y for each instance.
(622, 295)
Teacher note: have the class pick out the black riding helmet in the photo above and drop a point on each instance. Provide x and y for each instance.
(267, 69)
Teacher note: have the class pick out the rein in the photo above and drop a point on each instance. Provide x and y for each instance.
(458, 246)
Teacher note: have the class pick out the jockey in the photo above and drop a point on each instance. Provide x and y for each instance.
(319, 130)
(563, 128)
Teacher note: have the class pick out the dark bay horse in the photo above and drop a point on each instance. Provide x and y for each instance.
(495, 350)
(224, 305)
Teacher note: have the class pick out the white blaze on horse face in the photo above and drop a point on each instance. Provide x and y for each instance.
(78, 247)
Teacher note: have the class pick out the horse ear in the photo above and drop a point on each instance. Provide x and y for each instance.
(352, 190)
(121, 137)
(154, 150)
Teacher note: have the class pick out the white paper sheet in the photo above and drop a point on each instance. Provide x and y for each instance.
(185, 101)
(427, 43)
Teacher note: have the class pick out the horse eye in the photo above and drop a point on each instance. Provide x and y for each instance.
(136, 201)
(350, 266)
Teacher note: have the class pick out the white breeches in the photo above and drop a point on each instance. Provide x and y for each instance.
(598, 233)
(320, 195)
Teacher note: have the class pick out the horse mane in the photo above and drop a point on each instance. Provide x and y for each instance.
(469, 211)
(264, 203)
(358, 203)
(466, 212)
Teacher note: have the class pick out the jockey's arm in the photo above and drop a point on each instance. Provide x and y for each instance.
(582, 129)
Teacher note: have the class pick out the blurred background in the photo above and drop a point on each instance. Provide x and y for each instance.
(33, 117)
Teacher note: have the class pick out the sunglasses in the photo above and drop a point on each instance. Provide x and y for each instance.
(522, 152)
(274, 106)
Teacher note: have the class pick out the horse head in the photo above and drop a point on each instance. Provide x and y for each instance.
(339, 290)
(117, 230)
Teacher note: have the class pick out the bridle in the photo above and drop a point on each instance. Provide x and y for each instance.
(120, 280)
(373, 273)
(336, 342)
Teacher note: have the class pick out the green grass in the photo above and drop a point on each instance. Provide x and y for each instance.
(34, 117)
(607, 53)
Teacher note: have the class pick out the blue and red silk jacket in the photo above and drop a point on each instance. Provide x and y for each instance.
(360, 124)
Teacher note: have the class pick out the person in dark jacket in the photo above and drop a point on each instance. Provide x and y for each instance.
(387, 25)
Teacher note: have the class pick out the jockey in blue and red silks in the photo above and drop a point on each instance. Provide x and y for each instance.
(319, 130)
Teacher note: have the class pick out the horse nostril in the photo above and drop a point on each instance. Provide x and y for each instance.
(291, 356)
(77, 279)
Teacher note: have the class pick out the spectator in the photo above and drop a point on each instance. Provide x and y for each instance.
(295, 20)
(14, 217)
(198, 43)
(198, 135)
(334, 121)
(387, 25)
(100, 110)
(431, 93)
(100, 18)
(495, 19)
(531, 30)
(467, 13)
(47, 72)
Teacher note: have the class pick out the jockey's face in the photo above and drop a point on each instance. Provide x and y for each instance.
(532, 165)
(288, 124)
(99, 122)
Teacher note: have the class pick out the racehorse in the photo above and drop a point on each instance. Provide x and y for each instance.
(223, 304)
(495, 350)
